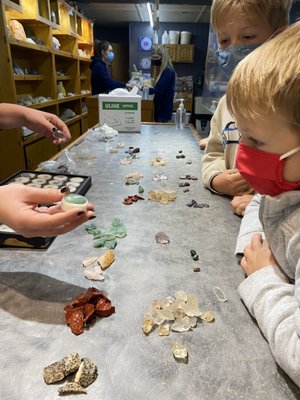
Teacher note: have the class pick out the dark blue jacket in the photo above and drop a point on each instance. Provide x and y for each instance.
(101, 81)
(164, 93)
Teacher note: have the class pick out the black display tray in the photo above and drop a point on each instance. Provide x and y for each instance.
(79, 184)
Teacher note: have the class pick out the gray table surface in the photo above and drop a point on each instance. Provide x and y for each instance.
(228, 359)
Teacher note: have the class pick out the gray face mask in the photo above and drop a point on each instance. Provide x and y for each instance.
(229, 57)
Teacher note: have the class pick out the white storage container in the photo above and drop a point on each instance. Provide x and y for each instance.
(185, 37)
(174, 37)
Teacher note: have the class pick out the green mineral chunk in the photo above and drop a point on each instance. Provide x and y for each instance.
(107, 239)
(97, 234)
(90, 227)
(99, 242)
(103, 240)
(110, 244)
(117, 228)
(141, 189)
(75, 199)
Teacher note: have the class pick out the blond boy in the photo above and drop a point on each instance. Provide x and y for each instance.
(264, 97)
(240, 25)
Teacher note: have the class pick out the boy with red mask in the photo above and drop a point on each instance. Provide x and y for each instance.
(264, 97)
(241, 26)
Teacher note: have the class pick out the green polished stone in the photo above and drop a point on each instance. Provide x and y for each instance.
(75, 199)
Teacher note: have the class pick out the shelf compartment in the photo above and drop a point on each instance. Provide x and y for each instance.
(31, 10)
(29, 46)
(70, 68)
(35, 85)
(69, 98)
(72, 120)
(43, 9)
(63, 78)
(85, 50)
(87, 31)
(46, 104)
(40, 150)
(54, 8)
(85, 76)
(74, 105)
(63, 54)
(13, 5)
(68, 44)
(29, 77)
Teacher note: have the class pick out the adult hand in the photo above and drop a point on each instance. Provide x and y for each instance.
(232, 183)
(257, 255)
(19, 210)
(43, 122)
(239, 203)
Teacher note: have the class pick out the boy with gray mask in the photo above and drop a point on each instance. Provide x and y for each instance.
(241, 26)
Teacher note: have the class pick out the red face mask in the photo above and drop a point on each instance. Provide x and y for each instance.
(264, 171)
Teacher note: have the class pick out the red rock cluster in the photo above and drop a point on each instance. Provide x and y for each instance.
(132, 199)
(85, 307)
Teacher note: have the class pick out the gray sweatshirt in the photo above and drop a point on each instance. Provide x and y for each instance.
(272, 294)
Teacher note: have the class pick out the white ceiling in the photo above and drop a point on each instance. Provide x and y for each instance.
(120, 13)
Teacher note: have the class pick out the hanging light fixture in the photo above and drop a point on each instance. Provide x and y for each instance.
(149, 9)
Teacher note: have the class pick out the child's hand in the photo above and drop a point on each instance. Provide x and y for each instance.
(257, 255)
(231, 182)
(239, 203)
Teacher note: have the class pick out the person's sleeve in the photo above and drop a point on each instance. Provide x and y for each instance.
(163, 82)
(102, 73)
(275, 304)
(213, 161)
(250, 225)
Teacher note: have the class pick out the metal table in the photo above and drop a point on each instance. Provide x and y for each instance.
(228, 359)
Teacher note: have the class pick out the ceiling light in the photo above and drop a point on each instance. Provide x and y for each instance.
(140, 14)
(150, 14)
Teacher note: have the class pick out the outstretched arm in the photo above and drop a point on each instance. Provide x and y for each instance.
(274, 302)
(13, 116)
(19, 210)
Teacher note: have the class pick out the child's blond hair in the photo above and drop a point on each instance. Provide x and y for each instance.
(266, 83)
(276, 12)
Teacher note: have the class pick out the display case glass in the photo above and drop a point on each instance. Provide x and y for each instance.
(215, 81)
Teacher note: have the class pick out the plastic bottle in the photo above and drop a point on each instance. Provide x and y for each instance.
(213, 106)
(145, 92)
(180, 115)
(165, 38)
(155, 37)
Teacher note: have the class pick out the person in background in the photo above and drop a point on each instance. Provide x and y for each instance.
(164, 87)
(19, 204)
(264, 97)
(101, 80)
(240, 26)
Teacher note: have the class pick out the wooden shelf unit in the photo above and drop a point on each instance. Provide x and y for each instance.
(43, 68)
(181, 53)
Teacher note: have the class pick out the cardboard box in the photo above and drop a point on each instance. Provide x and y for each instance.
(122, 113)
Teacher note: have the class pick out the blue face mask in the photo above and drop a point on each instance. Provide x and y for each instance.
(229, 57)
(109, 57)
